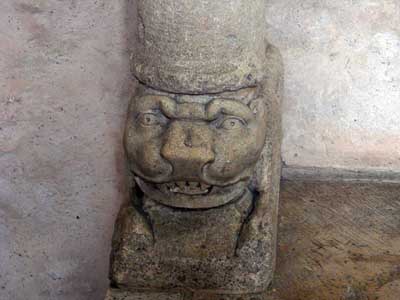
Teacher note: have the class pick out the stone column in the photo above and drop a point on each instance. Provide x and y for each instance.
(203, 146)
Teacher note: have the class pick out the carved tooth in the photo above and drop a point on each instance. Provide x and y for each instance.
(205, 186)
(170, 186)
(181, 184)
(193, 185)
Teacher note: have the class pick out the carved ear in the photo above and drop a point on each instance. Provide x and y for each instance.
(258, 108)
(168, 106)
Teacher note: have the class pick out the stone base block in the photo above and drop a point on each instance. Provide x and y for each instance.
(116, 294)
(210, 296)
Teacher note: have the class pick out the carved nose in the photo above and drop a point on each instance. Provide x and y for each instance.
(187, 147)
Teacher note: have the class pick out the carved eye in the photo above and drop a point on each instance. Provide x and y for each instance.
(150, 119)
(232, 123)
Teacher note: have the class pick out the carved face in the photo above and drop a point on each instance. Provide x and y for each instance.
(192, 151)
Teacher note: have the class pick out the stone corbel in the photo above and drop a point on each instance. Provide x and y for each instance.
(203, 146)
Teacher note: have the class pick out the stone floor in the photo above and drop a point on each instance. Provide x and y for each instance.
(337, 241)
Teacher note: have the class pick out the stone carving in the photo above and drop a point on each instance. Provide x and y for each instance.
(203, 146)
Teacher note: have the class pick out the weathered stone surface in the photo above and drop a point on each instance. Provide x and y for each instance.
(338, 240)
(200, 46)
(63, 64)
(209, 296)
(191, 249)
(191, 240)
(65, 86)
(114, 294)
(203, 147)
(342, 82)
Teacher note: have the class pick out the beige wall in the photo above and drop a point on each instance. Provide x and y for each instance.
(65, 86)
(63, 99)
(342, 103)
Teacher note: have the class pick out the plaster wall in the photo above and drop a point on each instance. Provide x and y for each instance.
(64, 90)
(342, 62)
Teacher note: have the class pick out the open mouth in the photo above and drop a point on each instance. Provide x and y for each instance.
(185, 187)
(191, 194)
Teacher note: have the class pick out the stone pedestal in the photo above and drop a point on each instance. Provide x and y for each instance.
(115, 294)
